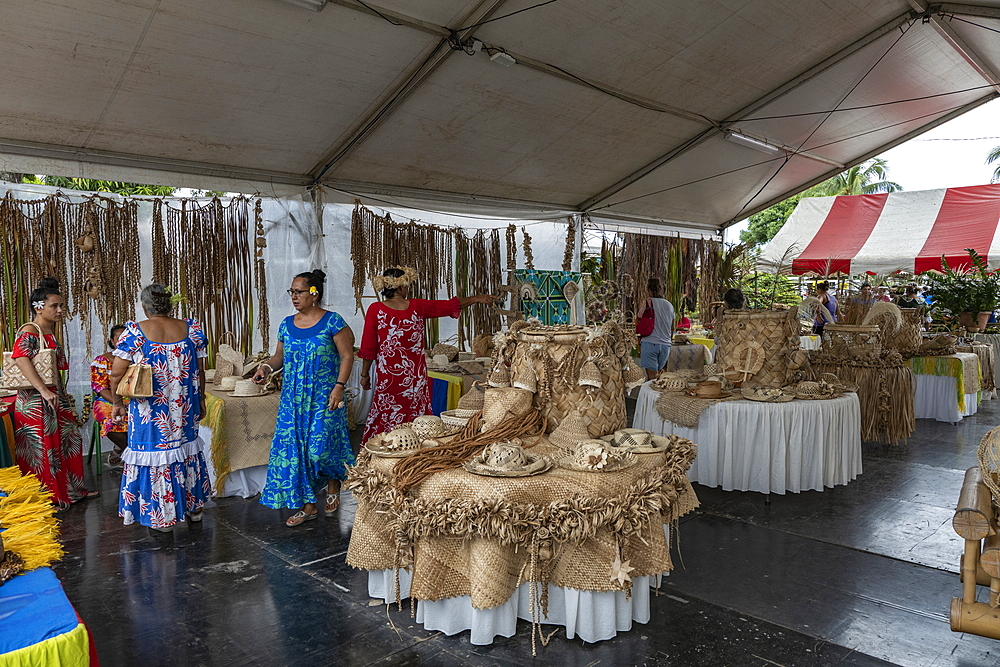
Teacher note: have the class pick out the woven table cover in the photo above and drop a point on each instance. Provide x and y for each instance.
(963, 366)
(688, 356)
(485, 536)
(242, 430)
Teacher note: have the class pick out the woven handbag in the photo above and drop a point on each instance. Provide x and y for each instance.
(137, 382)
(44, 362)
(644, 325)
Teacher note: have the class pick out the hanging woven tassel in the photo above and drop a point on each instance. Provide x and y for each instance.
(500, 377)
(526, 378)
(590, 375)
(633, 375)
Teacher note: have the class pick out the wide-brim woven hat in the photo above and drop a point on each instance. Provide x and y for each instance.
(669, 384)
(766, 394)
(452, 418)
(657, 444)
(429, 426)
(248, 389)
(228, 383)
(626, 438)
(534, 464)
(809, 390)
(377, 446)
(614, 462)
(708, 389)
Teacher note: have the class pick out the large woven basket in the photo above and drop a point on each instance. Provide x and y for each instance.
(757, 340)
(907, 339)
(852, 340)
(554, 357)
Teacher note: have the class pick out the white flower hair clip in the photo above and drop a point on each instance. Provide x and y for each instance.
(37, 305)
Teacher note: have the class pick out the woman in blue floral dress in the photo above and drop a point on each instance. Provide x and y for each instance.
(165, 478)
(311, 443)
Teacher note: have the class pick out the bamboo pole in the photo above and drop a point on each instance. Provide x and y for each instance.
(974, 513)
(976, 618)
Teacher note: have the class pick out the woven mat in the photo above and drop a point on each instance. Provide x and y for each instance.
(687, 356)
(678, 408)
(474, 535)
(986, 355)
(242, 430)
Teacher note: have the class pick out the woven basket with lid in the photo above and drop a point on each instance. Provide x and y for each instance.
(852, 340)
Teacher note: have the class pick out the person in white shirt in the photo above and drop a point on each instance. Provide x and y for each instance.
(654, 350)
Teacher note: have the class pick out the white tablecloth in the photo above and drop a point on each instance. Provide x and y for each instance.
(809, 342)
(936, 398)
(768, 447)
(591, 615)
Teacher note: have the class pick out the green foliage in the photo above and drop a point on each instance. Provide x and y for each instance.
(764, 289)
(764, 225)
(992, 157)
(91, 185)
(974, 290)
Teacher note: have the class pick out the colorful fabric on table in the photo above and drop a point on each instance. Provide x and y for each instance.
(100, 380)
(311, 443)
(165, 475)
(964, 367)
(394, 339)
(40, 626)
(446, 390)
(549, 305)
(7, 440)
(47, 443)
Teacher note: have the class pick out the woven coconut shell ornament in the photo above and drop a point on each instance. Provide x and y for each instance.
(633, 375)
(526, 379)
(500, 377)
(590, 375)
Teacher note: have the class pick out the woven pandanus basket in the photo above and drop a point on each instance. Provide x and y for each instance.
(907, 339)
(757, 339)
(852, 340)
(554, 356)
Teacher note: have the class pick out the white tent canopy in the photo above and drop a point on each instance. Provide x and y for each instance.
(616, 108)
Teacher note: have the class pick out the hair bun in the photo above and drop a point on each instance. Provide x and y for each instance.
(320, 275)
(49, 283)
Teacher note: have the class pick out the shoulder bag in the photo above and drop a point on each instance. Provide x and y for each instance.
(44, 362)
(644, 325)
(137, 382)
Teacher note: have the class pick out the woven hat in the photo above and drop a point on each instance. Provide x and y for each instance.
(712, 369)
(228, 383)
(379, 445)
(571, 430)
(450, 352)
(708, 389)
(627, 438)
(596, 456)
(500, 377)
(209, 375)
(453, 419)
(766, 394)
(429, 426)
(657, 444)
(726, 383)
(669, 382)
(402, 437)
(811, 391)
(247, 388)
(507, 459)
(501, 404)
(471, 401)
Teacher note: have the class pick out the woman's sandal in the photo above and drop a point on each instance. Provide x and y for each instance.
(194, 517)
(92, 494)
(332, 502)
(300, 517)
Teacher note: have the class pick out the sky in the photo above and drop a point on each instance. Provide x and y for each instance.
(949, 156)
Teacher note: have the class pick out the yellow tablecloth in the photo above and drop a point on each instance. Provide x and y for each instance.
(707, 342)
(242, 430)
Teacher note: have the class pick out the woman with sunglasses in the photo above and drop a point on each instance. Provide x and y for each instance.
(311, 445)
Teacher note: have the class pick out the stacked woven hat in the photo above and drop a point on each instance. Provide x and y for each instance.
(470, 403)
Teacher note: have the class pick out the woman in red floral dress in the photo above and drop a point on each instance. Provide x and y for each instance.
(47, 441)
(394, 339)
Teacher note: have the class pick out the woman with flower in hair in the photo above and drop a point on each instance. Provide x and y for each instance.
(393, 340)
(47, 441)
(311, 446)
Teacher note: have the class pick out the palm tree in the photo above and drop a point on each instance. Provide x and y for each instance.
(864, 179)
(993, 156)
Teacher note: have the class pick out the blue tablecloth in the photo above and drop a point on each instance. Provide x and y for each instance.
(33, 608)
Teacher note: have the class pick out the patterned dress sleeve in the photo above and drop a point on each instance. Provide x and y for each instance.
(130, 343)
(198, 337)
(335, 324)
(25, 345)
(100, 376)
(427, 309)
(283, 331)
(369, 338)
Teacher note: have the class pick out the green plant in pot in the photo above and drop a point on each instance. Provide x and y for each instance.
(971, 295)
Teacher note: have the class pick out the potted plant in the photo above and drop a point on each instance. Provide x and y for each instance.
(971, 295)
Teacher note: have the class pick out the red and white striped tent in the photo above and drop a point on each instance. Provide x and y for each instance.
(887, 233)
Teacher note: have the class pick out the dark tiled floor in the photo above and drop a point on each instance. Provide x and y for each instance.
(855, 576)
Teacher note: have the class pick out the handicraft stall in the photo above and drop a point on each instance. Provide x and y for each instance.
(514, 507)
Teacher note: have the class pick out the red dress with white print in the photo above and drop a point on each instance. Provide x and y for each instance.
(395, 340)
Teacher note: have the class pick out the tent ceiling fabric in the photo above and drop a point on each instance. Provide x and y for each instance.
(264, 91)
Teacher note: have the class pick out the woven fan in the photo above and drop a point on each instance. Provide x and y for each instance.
(989, 462)
(748, 358)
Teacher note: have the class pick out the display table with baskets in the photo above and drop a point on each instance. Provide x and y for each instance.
(947, 386)
(239, 431)
(576, 549)
(768, 447)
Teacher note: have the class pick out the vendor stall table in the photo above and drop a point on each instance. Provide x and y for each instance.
(809, 342)
(239, 431)
(467, 576)
(707, 342)
(693, 356)
(768, 447)
(7, 431)
(947, 386)
(992, 340)
(40, 626)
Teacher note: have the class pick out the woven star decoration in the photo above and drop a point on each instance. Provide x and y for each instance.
(620, 570)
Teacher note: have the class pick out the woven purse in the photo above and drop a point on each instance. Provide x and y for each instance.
(137, 382)
(44, 362)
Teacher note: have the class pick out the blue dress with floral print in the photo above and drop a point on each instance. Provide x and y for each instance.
(311, 443)
(165, 475)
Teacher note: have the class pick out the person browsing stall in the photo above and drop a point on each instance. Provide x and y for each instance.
(829, 301)
(654, 350)
(100, 383)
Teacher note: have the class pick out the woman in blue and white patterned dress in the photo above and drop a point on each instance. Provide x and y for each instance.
(165, 478)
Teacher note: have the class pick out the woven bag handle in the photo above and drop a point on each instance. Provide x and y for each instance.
(41, 335)
(227, 333)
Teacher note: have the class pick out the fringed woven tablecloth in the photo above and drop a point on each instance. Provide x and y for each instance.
(464, 534)
(242, 430)
(684, 410)
(963, 366)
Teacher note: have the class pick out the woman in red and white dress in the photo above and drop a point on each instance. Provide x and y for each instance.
(394, 339)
